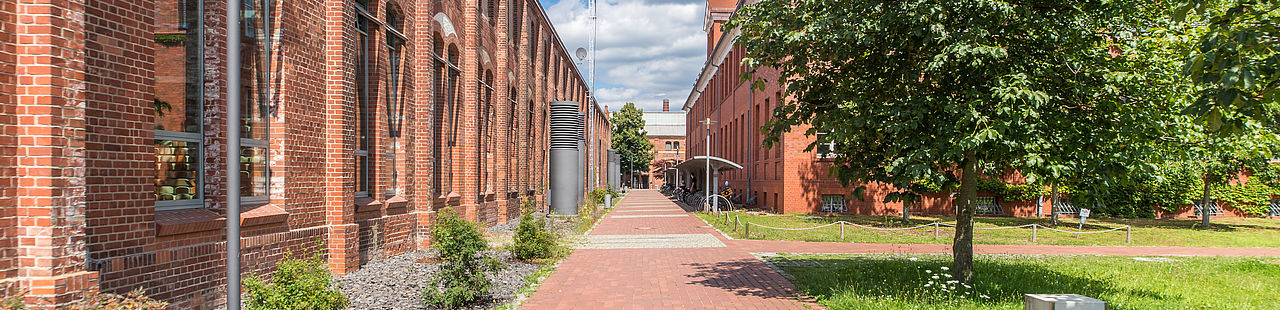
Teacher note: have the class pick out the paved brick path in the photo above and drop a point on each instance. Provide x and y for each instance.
(710, 277)
(727, 276)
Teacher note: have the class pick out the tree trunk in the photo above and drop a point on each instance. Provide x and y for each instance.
(1053, 202)
(962, 246)
(906, 212)
(1204, 206)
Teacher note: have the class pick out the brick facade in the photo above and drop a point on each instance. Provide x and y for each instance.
(786, 178)
(93, 105)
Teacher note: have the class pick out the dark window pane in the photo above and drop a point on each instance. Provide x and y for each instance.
(362, 174)
(253, 171)
(177, 170)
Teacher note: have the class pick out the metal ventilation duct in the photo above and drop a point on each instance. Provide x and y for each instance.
(565, 174)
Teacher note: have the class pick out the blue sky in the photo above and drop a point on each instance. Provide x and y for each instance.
(646, 50)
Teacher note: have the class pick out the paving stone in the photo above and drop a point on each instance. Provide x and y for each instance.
(651, 241)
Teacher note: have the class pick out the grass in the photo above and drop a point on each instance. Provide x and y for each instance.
(889, 281)
(1226, 232)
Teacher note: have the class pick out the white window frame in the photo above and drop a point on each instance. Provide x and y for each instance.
(830, 203)
(824, 150)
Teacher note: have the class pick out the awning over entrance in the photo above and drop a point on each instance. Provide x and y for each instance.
(697, 164)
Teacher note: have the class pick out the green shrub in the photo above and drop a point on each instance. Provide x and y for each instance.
(134, 300)
(532, 240)
(597, 195)
(461, 280)
(298, 283)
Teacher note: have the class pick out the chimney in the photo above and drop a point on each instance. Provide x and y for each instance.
(666, 105)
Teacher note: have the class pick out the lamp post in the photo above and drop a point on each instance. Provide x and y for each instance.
(707, 181)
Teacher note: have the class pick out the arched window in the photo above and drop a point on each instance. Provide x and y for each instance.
(364, 175)
(394, 95)
(485, 133)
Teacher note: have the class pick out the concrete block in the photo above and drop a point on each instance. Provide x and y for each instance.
(1063, 301)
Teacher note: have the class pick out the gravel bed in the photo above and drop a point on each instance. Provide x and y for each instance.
(398, 282)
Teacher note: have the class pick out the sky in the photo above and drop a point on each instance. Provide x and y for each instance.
(646, 50)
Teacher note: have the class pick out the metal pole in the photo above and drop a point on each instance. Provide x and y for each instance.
(707, 181)
(841, 230)
(1128, 235)
(233, 154)
(1033, 233)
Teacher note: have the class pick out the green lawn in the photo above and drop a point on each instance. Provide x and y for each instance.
(1226, 232)
(887, 281)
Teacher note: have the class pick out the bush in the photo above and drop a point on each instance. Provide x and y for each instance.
(105, 301)
(597, 195)
(298, 283)
(461, 280)
(532, 240)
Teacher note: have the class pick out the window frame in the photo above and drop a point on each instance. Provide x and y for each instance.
(828, 204)
(189, 137)
(362, 151)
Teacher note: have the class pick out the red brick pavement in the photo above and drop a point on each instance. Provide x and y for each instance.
(730, 277)
(685, 278)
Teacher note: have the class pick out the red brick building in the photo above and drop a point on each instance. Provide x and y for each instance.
(665, 131)
(360, 119)
(785, 178)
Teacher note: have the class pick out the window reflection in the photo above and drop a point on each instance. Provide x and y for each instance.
(177, 170)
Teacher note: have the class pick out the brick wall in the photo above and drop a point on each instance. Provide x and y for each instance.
(78, 155)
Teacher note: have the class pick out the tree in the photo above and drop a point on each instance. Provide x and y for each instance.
(936, 92)
(629, 139)
(1234, 66)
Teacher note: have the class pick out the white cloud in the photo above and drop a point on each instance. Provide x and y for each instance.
(646, 50)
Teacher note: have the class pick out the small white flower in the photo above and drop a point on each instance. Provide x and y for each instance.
(912, 259)
(928, 271)
(928, 284)
(935, 277)
(984, 296)
(967, 286)
(945, 268)
(948, 275)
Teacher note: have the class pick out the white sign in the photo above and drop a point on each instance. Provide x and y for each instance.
(1084, 214)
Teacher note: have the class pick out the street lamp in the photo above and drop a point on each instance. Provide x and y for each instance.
(707, 181)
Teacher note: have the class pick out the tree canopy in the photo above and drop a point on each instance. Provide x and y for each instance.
(629, 139)
(920, 92)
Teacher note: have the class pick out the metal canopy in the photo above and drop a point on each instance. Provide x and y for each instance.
(699, 163)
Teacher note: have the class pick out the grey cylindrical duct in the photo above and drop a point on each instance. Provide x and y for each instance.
(613, 176)
(565, 132)
(582, 158)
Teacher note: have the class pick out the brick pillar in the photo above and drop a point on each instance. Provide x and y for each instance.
(50, 145)
(343, 245)
(421, 131)
(467, 154)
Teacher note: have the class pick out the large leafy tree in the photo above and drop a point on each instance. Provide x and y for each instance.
(933, 92)
(1234, 68)
(629, 139)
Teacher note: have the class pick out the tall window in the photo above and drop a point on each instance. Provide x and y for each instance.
(826, 147)
(364, 169)
(675, 145)
(178, 106)
(394, 96)
(516, 22)
(437, 122)
(257, 96)
(485, 133)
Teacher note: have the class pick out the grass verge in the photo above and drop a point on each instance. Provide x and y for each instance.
(888, 281)
(1226, 232)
